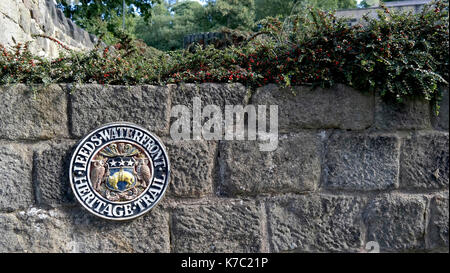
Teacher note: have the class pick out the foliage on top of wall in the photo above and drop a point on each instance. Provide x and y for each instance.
(398, 55)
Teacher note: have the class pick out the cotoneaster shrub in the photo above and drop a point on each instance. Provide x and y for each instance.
(398, 55)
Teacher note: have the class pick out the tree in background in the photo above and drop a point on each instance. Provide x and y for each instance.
(104, 17)
(163, 23)
(232, 14)
(170, 22)
(283, 8)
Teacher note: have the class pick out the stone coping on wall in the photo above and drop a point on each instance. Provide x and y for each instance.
(349, 169)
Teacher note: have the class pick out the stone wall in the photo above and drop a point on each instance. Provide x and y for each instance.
(356, 15)
(349, 169)
(20, 19)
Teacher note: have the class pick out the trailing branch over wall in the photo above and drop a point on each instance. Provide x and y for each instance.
(398, 56)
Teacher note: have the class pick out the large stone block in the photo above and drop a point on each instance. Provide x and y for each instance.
(361, 162)
(33, 112)
(396, 222)
(24, 19)
(315, 223)
(75, 230)
(441, 121)
(303, 107)
(146, 234)
(10, 9)
(10, 32)
(226, 226)
(51, 168)
(34, 230)
(29, 4)
(16, 190)
(425, 161)
(47, 25)
(10, 241)
(93, 105)
(192, 163)
(210, 93)
(410, 114)
(293, 167)
(438, 225)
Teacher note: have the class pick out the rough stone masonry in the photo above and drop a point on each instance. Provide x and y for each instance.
(349, 169)
(21, 19)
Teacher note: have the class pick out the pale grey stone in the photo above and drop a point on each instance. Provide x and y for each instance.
(10, 9)
(192, 163)
(24, 19)
(33, 112)
(93, 105)
(10, 32)
(407, 115)
(51, 168)
(302, 107)
(293, 167)
(36, 15)
(396, 222)
(34, 29)
(86, 39)
(60, 20)
(315, 223)
(10, 240)
(355, 161)
(438, 226)
(225, 226)
(49, 27)
(29, 4)
(16, 191)
(18, 17)
(425, 161)
(72, 29)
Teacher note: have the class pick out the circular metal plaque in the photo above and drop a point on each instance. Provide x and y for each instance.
(119, 171)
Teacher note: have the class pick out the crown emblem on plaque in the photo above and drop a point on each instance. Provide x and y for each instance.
(120, 149)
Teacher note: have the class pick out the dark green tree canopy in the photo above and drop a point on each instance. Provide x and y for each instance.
(105, 8)
(283, 8)
(164, 23)
(105, 17)
(170, 23)
(233, 14)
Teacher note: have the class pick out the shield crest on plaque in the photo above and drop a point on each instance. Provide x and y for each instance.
(121, 175)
